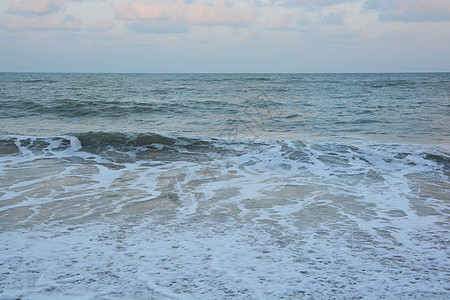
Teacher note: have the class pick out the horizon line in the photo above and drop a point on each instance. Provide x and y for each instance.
(101, 72)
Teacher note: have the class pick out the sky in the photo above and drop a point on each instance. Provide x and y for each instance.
(292, 36)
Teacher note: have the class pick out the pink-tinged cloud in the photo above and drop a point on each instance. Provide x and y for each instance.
(285, 21)
(52, 22)
(38, 7)
(222, 12)
(410, 10)
(149, 10)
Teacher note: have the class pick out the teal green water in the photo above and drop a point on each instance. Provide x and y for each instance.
(392, 107)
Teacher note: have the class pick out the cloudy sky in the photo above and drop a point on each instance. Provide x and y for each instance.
(225, 35)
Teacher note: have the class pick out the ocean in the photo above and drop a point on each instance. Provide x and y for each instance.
(224, 186)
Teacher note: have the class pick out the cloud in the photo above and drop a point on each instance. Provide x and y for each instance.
(52, 22)
(416, 34)
(333, 18)
(410, 10)
(149, 10)
(284, 21)
(347, 35)
(222, 12)
(311, 3)
(37, 7)
(102, 25)
(158, 27)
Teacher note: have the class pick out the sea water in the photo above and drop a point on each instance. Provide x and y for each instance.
(224, 186)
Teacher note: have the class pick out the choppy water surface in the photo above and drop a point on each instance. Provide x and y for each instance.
(223, 186)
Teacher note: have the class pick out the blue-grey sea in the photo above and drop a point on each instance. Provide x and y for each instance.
(224, 186)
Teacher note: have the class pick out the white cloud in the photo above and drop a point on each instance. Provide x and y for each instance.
(333, 18)
(102, 26)
(312, 3)
(52, 22)
(158, 27)
(38, 7)
(410, 10)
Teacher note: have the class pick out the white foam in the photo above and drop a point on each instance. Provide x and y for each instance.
(257, 223)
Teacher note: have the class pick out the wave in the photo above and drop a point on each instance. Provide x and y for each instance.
(38, 81)
(85, 108)
(121, 147)
(16, 144)
(391, 84)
